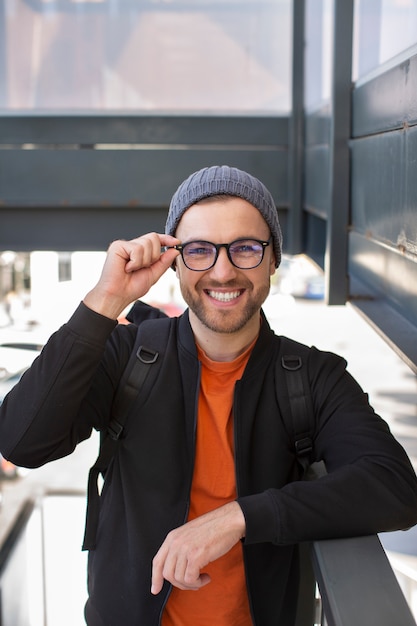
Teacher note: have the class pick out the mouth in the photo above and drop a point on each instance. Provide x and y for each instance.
(224, 296)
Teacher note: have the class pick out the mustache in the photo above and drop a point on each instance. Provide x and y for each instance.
(231, 284)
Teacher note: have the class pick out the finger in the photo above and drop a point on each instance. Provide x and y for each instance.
(193, 580)
(168, 256)
(180, 569)
(201, 581)
(172, 567)
(205, 579)
(168, 240)
(143, 252)
(157, 579)
(184, 572)
(148, 250)
(191, 574)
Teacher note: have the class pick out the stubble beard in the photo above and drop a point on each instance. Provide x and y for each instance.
(226, 321)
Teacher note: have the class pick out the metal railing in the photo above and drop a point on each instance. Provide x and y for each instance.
(22, 592)
(42, 568)
(345, 582)
(405, 569)
(358, 585)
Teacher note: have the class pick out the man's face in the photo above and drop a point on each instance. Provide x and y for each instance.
(224, 298)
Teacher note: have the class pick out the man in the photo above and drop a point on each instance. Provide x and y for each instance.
(202, 510)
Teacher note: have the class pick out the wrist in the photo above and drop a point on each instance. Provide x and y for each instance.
(107, 306)
(239, 519)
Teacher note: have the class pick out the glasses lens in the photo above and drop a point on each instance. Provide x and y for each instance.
(198, 255)
(246, 253)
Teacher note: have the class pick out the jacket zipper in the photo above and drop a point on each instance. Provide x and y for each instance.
(236, 457)
(190, 480)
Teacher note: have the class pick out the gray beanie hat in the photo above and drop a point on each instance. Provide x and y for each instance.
(225, 180)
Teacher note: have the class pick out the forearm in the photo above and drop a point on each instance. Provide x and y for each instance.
(39, 418)
(370, 484)
(358, 499)
(197, 543)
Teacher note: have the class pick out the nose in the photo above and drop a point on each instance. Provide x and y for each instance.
(223, 269)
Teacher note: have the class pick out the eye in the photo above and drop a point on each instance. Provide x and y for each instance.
(246, 247)
(198, 249)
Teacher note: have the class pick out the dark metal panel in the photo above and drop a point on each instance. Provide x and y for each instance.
(357, 584)
(316, 180)
(145, 178)
(296, 131)
(378, 186)
(93, 129)
(315, 238)
(384, 188)
(387, 101)
(317, 127)
(75, 229)
(392, 326)
(79, 228)
(384, 288)
(316, 163)
(385, 273)
(56, 174)
(407, 240)
(327, 159)
(339, 174)
(383, 239)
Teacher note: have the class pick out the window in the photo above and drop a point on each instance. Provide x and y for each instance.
(170, 56)
(385, 31)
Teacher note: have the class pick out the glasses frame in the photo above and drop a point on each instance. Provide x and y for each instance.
(218, 246)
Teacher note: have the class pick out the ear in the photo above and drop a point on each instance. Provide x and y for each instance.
(272, 267)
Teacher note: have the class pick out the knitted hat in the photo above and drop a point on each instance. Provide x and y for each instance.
(230, 181)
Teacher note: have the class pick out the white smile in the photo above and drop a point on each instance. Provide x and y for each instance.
(223, 296)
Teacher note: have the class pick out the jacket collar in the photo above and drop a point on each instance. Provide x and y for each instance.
(262, 350)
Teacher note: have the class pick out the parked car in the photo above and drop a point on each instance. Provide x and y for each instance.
(8, 381)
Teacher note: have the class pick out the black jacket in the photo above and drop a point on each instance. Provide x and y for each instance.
(370, 486)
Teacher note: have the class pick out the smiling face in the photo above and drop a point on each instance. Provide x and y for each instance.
(224, 299)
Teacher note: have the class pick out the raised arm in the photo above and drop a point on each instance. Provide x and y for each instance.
(55, 405)
(130, 270)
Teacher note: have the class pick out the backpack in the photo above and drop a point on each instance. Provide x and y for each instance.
(143, 366)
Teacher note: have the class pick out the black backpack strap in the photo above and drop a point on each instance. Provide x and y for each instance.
(142, 361)
(300, 423)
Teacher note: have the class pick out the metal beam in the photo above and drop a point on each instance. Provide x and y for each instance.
(357, 584)
(55, 129)
(77, 182)
(339, 175)
(296, 133)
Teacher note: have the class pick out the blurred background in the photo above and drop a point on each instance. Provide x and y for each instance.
(105, 106)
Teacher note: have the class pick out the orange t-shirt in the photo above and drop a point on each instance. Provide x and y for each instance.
(224, 600)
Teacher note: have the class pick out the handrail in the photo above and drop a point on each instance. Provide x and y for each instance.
(15, 533)
(357, 584)
(355, 579)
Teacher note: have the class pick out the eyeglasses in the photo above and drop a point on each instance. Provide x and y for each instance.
(245, 254)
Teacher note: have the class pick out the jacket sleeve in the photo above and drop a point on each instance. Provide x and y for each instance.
(370, 485)
(65, 393)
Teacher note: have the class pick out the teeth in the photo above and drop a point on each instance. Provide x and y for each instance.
(224, 297)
